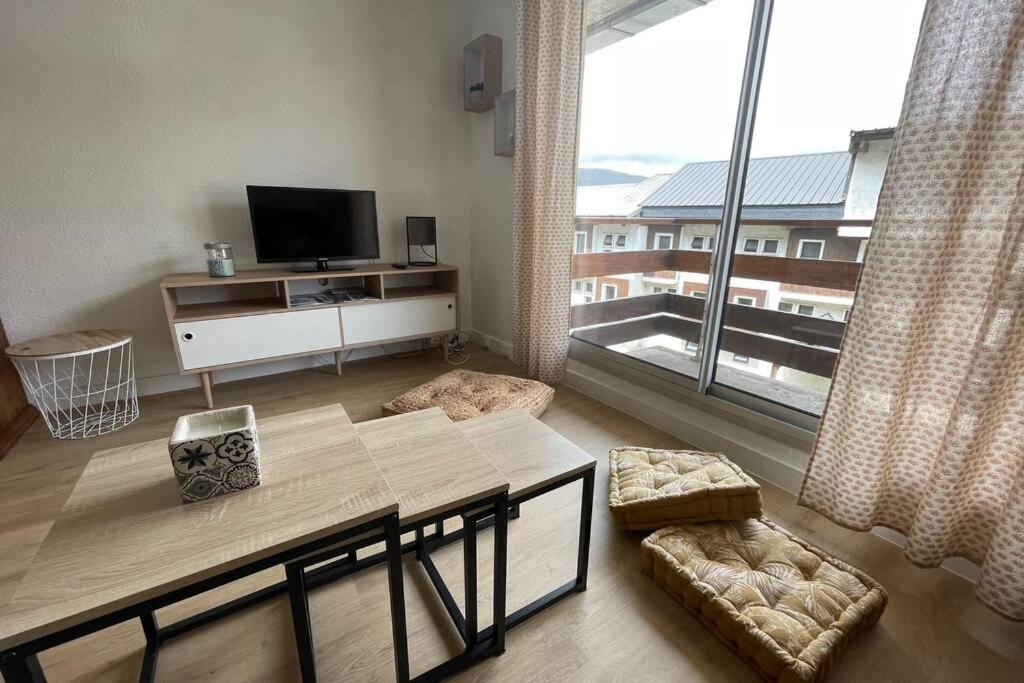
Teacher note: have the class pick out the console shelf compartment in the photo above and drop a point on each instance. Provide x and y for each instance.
(227, 309)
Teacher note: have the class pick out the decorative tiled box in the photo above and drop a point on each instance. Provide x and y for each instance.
(215, 452)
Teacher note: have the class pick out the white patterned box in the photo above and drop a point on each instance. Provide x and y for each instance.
(215, 452)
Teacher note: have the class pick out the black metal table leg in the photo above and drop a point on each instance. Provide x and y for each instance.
(299, 600)
(396, 590)
(147, 673)
(469, 577)
(500, 570)
(586, 517)
(18, 668)
(420, 544)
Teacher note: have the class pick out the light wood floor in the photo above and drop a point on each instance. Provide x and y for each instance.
(622, 628)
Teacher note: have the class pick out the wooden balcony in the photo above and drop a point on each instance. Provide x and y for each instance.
(790, 340)
(836, 275)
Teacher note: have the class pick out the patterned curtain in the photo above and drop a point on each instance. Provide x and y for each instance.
(924, 428)
(549, 48)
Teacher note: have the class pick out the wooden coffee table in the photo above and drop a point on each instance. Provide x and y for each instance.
(438, 474)
(537, 460)
(125, 545)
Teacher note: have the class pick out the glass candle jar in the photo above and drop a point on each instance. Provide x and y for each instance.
(220, 260)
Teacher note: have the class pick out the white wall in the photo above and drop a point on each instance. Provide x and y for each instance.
(866, 179)
(489, 190)
(128, 132)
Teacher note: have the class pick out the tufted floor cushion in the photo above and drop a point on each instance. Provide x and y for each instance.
(464, 394)
(783, 605)
(650, 488)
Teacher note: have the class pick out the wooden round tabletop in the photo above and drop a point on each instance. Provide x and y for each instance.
(69, 343)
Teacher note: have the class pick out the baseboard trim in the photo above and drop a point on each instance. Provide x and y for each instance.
(705, 430)
(498, 346)
(10, 434)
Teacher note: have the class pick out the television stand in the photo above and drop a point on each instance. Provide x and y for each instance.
(217, 323)
(321, 266)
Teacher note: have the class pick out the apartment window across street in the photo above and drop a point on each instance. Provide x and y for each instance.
(702, 243)
(727, 208)
(613, 242)
(579, 245)
(812, 249)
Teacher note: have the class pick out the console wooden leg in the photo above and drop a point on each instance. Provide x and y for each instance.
(338, 359)
(207, 379)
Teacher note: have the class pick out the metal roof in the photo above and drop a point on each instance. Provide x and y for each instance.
(803, 179)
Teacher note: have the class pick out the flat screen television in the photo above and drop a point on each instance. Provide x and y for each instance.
(294, 224)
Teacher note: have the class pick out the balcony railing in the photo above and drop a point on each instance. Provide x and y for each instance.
(787, 339)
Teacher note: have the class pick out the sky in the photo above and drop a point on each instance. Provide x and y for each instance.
(668, 95)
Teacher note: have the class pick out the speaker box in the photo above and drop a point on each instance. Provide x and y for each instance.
(421, 236)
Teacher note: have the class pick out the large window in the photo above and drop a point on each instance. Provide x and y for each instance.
(659, 114)
(651, 105)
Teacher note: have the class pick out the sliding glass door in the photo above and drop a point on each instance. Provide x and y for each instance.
(731, 261)
(656, 134)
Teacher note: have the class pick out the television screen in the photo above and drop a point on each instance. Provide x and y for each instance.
(305, 224)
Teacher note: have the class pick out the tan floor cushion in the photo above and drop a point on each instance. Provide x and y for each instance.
(783, 605)
(464, 394)
(650, 488)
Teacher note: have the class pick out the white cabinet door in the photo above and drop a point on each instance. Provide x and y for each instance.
(223, 341)
(397, 319)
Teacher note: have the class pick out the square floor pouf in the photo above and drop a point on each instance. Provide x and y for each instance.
(650, 488)
(784, 606)
(464, 394)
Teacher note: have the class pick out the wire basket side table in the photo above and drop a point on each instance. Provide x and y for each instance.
(83, 383)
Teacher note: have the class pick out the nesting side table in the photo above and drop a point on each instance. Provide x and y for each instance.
(83, 383)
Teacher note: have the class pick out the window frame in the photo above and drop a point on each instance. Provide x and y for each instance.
(604, 288)
(765, 241)
(810, 306)
(702, 383)
(751, 299)
(800, 250)
(747, 240)
(671, 240)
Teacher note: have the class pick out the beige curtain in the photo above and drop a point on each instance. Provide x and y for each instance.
(549, 48)
(924, 428)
